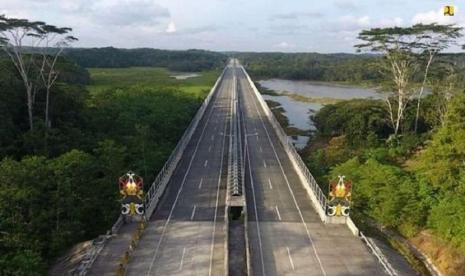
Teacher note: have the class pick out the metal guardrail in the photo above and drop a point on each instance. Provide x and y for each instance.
(158, 185)
(235, 147)
(379, 255)
(290, 149)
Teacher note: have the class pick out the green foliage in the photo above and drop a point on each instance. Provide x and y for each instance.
(362, 121)
(383, 192)
(70, 193)
(22, 263)
(112, 78)
(429, 195)
(46, 205)
(447, 219)
(311, 66)
(189, 61)
(442, 162)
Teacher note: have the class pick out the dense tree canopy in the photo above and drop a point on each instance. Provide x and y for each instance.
(191, 60)
(310, 66)
(55, 194)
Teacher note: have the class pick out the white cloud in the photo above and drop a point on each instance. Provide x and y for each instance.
(296, 15)
(345, 4)
(363, 21)
(125, 12)
(284, 45)
(171, 27)
(390, 22)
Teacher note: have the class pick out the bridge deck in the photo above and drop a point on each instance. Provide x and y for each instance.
(186, 234)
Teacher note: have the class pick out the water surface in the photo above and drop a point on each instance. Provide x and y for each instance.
(183, 76)
(299, 112)
(320, 89)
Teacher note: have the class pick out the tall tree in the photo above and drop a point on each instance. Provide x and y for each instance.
(399, 63)
(18, 37)
(13, 40)
(57, 38)
(430, 40)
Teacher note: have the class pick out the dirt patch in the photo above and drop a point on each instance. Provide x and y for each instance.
(445, 257)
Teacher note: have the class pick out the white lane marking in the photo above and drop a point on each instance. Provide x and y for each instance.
(290, 258)
(277, 212)
(193, 212)
(213, 137)
(179, 192)
(255, 208)
(269, 182)
(257, 136)
(289, 187)
(200, 183)
(182, 258)
(209, 148)
(264, 163)
(253, 197)
(205, 164)
(261, 150)
(217, 197)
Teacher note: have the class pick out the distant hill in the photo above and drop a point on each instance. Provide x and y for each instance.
(354, 68)
(189, 60)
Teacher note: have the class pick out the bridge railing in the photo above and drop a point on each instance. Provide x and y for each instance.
(379, 255)
(315, 192)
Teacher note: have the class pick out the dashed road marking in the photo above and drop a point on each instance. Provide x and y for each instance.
(269, 182)
(193, 212)
(290, 258)
(205, 164)
(277, 212)
(182, 258)
(264, 163)
(200, 183)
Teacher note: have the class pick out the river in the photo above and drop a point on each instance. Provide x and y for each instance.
(298, 112)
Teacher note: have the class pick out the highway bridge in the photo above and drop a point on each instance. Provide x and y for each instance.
(235, 199)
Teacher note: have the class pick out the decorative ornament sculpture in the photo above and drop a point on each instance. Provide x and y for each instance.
(340, 196)
(131, 188)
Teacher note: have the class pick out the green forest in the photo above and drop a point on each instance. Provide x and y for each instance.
(184, 61)
(347, 68)
(59, 180)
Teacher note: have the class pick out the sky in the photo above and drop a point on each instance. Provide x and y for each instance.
(327, 26)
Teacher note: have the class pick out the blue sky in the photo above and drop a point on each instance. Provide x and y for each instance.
(230, 25)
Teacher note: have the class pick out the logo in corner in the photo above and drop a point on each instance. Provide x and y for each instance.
(449, 10)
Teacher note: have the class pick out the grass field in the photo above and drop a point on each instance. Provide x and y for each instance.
(113, 78)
